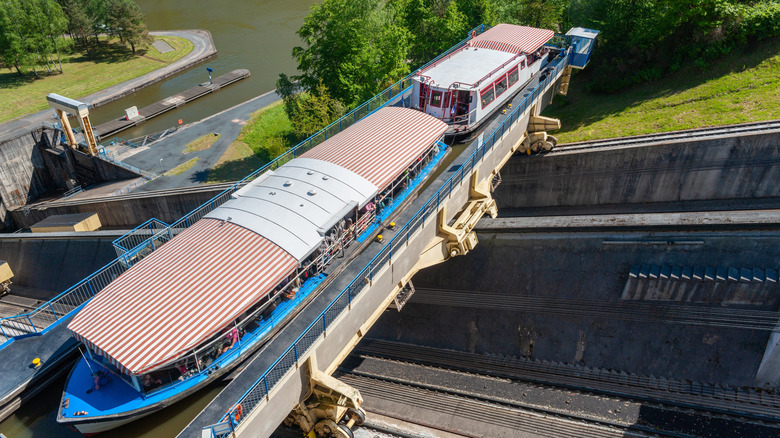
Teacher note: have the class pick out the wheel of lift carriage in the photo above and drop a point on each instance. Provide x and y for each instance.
(552, 140)
(357, 415)
(347, 432)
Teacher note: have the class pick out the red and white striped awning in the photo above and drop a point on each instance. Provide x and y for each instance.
(381, 146)
(512, 38)
(181, 295)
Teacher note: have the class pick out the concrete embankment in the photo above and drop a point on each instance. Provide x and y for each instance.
(559, 296)
(743, 167)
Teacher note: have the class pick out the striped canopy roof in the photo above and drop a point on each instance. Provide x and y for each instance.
(381, 146)
(180, 295)
(512, 38)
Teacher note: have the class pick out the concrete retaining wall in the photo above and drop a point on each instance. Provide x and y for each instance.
(125, 211)
(22, 169)
(742, 167)
(582, 267)
(57, 261)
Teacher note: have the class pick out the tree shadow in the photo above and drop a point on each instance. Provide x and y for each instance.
(229, 171)
(105, 52)
(582, 107)
(12, 79)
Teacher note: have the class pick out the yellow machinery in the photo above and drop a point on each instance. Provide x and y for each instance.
(65, 106)
(5, 277)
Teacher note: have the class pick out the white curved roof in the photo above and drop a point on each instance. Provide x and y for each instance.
(295, 205)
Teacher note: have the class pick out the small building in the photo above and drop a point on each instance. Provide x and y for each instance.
(583, 41)
(63, 223)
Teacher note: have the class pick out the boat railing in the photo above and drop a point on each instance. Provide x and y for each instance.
(289, 360)
(127, 243)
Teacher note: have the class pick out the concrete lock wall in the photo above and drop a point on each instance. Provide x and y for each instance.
(741, 167)
(497, 283)
(22, 169)
(48, 263)
(125, 211)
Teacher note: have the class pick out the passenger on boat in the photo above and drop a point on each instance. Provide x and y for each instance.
(182, 367)
(100, 378)
(230, 340)
(148, 381)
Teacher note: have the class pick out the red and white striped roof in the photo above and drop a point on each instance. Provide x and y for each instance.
(512, 38)
(381, 146)
(181, 295)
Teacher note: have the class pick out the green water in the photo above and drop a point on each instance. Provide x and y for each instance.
(257, 35)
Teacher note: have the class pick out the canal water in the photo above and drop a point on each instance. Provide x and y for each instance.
(258, 35)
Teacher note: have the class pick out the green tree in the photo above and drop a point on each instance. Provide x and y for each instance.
(310, 112)
(125, 20)
(545, 14)
(29, 31)
(13, 44)
(79, 20)
(354, 47)
(433, 26)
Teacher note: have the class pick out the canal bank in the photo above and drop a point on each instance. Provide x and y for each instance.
(203, 49)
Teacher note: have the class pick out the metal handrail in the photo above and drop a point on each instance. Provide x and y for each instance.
(287, 360)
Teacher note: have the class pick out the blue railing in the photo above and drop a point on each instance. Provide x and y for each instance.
(146, 232)
(288, 360)
(60, 307)
(334, 128)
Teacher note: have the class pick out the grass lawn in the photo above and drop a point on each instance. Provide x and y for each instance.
(266, 136)
(269, 132)
(181, 168)
(82, 75)
(202, 143)
(741, 87)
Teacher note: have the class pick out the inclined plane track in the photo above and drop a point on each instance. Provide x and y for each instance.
(478, 409)
(741, 404)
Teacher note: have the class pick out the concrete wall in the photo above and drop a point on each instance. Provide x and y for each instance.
(56, 261)
(125, 211)
(581, 267)
(22, 169)
(742, 167)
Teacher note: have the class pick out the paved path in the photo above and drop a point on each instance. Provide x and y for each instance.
(227, 123)
(203, 48)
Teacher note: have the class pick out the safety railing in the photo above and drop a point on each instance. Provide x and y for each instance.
(48, 314)
(289, 359)
(73, 191)
(334, 128)
(139, 235)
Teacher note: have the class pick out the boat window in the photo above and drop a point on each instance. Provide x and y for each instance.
(501, 86)
(512, 76)
(488, 95)
(523, 64)
(436, 99)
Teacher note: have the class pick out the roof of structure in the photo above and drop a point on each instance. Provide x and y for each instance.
(381, 146)
(175, 298)
(512, 38)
